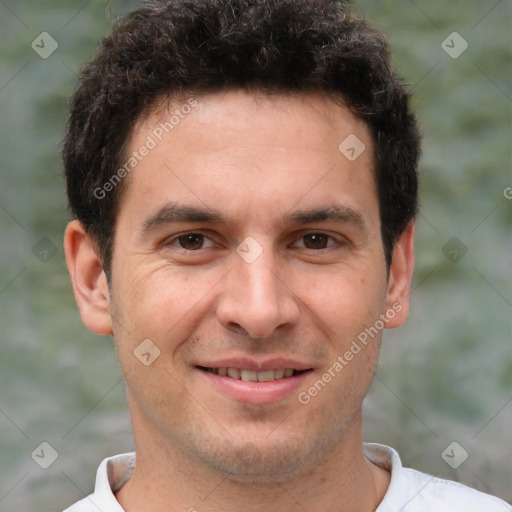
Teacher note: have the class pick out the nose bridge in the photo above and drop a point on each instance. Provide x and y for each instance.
(256, 298)
(257, 278)
(260, 281)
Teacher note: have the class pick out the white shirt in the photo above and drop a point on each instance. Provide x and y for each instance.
(408, 491)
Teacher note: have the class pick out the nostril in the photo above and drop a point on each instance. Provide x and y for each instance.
(236, 328)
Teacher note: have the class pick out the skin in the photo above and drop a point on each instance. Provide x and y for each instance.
(254, 159)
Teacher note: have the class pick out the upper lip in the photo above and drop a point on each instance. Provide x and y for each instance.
(257, 366)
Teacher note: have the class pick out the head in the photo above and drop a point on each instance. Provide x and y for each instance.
(174, 48)
(244, 233)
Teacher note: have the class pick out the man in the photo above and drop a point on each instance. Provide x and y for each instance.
(243, 180)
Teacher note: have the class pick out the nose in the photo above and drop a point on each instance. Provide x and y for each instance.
(256, 299)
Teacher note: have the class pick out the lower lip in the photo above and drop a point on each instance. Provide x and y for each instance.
(257, 392)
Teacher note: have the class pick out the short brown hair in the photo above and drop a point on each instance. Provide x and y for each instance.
(192, 46)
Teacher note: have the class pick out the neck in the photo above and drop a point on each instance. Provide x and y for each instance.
(166, 479)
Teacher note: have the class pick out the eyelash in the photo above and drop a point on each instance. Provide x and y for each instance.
(332, 241)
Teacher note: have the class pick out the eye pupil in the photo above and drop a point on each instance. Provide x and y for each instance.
(315, 241)
(191, 241)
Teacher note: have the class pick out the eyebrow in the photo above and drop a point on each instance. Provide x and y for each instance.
(182, 213)
(174, 213)
(336, 212)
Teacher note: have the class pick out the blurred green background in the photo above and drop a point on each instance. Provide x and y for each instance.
(446, 376)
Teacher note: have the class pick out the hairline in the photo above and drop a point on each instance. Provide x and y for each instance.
(166, 100)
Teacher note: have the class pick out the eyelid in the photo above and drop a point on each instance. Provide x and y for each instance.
(336, 240)
(172, 240)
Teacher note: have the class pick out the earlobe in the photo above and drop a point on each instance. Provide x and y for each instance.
(88, 278)
(400, 276)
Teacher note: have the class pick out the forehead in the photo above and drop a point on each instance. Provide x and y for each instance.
(316, 118)
(237, 149)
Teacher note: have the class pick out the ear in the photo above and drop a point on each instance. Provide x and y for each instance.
(88, 278)
(400, 276)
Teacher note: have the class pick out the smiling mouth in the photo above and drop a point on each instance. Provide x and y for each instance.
(253, 376)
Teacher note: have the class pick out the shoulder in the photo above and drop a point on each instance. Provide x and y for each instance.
(430, 493)
(112, 474)
(81, 506)
(412, 491)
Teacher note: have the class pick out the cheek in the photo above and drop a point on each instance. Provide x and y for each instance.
(156, 313)
(345, 300)
(161, 304)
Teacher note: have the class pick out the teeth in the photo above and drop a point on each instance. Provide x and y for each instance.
(265, 376)
(234, 373)
(248, 375)
(253, 376)
(279, 374)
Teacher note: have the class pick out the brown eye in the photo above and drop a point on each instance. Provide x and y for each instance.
(191, 241)
(316, 241)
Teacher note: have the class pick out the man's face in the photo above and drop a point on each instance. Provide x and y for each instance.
(245, 239)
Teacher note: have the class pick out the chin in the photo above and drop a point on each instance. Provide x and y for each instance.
(262, 462)
(251, 464)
